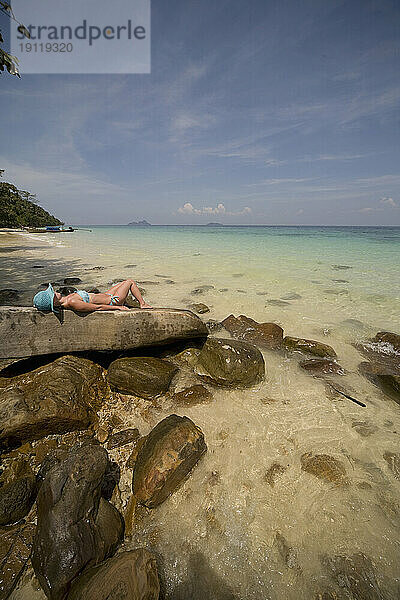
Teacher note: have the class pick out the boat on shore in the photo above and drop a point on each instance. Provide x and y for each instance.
(49, 229)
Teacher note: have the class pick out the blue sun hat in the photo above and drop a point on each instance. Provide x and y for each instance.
(44, 300)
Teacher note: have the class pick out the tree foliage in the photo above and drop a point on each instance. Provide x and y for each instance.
(8, 61)
(19, 211)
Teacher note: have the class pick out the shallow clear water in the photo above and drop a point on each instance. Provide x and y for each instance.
(222, 534)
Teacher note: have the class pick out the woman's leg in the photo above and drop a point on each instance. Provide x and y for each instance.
(122, 290)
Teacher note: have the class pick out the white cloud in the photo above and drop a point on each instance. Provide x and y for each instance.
(389, 202)
(189, 209)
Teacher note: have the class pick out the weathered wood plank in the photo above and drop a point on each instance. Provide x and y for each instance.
(26, 332)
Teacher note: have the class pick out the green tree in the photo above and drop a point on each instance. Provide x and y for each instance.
(8, 61)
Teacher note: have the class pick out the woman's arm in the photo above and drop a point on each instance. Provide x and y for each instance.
(81, 306)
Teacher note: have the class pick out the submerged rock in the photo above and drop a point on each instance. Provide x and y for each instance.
(76, 528)
(313, 347)
(17, 492)
(72, 280)
(129, 576)
(8, 295)
(201, 289)
(15, 550)
(168, 454)
(393, 460)
(273, 473)
(196, 394)
(121, 438)
(146, 377)
(319, 367)
(355, 575)
(265, 335)
(230, 363)
(324, 467)
(59, 397)
(199, 308)
(385, 376)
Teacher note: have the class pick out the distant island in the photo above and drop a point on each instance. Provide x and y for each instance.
(215, 225)
(17, 211)
(143, 223)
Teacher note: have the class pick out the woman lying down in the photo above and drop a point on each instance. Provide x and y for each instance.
(82, 301)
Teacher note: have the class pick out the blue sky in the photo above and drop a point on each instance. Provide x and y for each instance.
(258, 111)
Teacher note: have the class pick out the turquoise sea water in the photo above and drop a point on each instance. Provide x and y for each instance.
(227, 532)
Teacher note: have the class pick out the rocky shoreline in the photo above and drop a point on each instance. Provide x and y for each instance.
(60, 506)
(95, 446)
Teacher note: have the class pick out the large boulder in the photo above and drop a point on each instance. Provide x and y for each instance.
(146, 377)
(384, 375)
(56, 398)
(76, 528)
(129, 576)
(168, 454)
(15, 550)
(391, 339)
(27, 332)
(304, 346)
(265, 335)
(230, 363)
(17, 492)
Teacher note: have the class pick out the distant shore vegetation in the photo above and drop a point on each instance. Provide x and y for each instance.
(19, 209)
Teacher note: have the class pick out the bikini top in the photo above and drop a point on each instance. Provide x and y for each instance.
(84, 295)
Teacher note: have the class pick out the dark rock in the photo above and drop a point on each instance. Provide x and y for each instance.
(162, 276)
(169, 453)
(274, 302)
(37, 266)
(15, 550)
(169, 281)
(58, 397)
(287, 553)
(65, 290)
(241, 291)
(141, 376)
(121, 438)
(291, 296)
(355, 576)
(129, 576)
(199, 308)
(111, 479)
(9, 295)
(340, 280)
(76, 528)
(196, 394)
(130, 266)
(273, 472)
(393, 460)
(148, 282)
(96, 269)
(72, 280)
(214, 326)
(17, 492)
(385, 376)
(93, 290)
(230, 363)
(364, 428)
(319, 367)
(341, 267)
(201, 289)
(324, 467)
(294, 344)
(265, 335)
(132, 302)
(386, 337)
